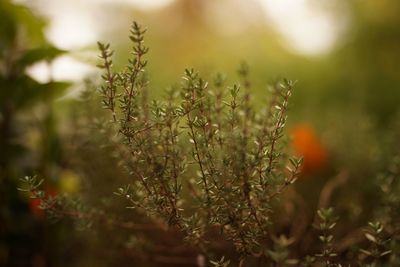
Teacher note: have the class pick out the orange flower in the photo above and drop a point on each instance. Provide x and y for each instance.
(36, 211)
(34, 203)
(306, 144)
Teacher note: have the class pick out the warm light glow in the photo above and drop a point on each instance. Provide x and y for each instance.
(64, 68)
(73, 24)
(40, 71)
(72, 30)
(306, 28)
(68, 68)
(142, 4)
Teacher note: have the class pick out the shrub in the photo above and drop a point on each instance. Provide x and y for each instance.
(203, 162)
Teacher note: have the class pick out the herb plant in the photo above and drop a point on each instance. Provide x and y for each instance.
(200, 146)
(203, 162)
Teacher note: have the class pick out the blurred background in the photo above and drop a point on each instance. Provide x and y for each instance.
(344, 116)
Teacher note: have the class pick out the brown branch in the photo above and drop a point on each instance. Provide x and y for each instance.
(330, 187)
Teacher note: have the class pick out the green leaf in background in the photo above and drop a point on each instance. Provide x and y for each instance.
(25, 91)
(34, 55)
(8, 26)
(16, 18)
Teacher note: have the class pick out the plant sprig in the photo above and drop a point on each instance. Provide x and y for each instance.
(200, 140)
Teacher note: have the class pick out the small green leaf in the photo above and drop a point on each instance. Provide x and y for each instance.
(370, 237)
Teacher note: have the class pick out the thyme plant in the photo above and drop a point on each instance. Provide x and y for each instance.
(377, 250)
(204, 143)
(204, 162)
(326, 225)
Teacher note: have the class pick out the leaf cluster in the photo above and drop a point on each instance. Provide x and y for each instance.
(204, 143)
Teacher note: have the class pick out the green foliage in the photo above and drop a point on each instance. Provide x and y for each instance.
(199, 141)
(221, 263)
(377, 248)
(326, 225)
(206, 167)
(56, 206)
(19, 25)
(23, 44)
(281, 252)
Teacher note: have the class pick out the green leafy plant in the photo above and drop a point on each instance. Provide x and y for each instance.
(378, 245)
(221, 263)
(200, 146)
(201, 160)
(280, 254)
(326, 225)
(205, 167)
(26, 107)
